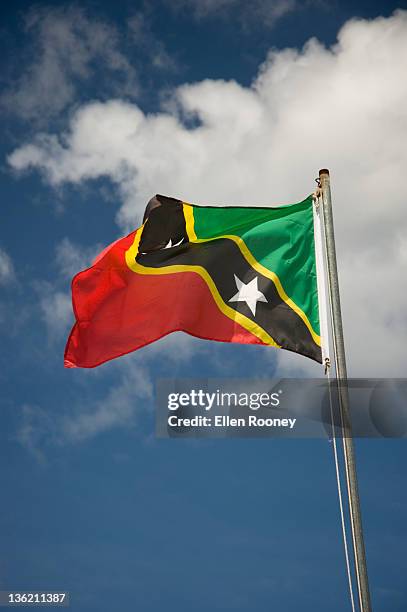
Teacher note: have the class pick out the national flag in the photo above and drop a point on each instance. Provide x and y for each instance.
(227, 273)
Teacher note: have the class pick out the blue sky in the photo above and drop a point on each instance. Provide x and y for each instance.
(103, 105)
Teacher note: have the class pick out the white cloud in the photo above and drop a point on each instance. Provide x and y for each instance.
(56, 310)
(7, 273)
(72, 258)
(69, 54)
(141, 32)
(66, 44)
(265, 12)
(121, 406)
(342, 108)
(127, 399)
(36, 427)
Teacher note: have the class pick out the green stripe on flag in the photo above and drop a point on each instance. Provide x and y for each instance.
(281, 239)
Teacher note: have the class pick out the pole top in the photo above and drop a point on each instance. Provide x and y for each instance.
(323, 171)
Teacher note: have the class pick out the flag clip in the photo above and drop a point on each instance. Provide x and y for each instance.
(317, 193)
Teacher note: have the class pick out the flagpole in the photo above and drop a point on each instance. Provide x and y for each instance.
(341, 377)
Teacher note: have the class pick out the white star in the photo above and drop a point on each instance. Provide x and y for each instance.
(248, 293)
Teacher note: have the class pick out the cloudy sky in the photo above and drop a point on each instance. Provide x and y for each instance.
(215, 102)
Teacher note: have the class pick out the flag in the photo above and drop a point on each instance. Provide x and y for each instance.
(227, 273)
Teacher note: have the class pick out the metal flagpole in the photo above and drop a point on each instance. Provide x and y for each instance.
(341, 377)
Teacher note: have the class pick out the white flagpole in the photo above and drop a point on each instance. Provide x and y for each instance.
(321, 282)
(341, 378)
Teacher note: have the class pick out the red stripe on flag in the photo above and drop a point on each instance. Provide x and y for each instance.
(118, 311)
